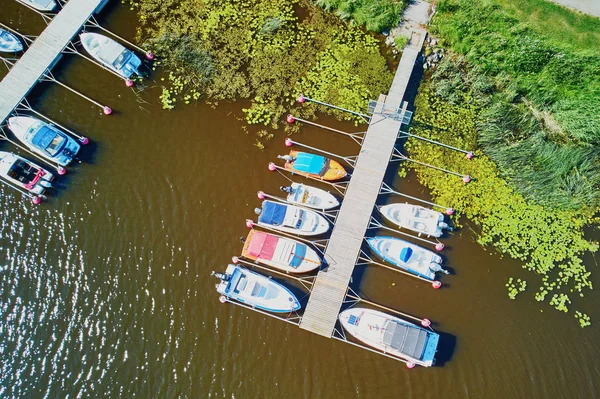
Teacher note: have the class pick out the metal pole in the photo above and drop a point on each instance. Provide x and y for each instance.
(289, 142)
(19, 189)
(24, 37)
(465, 178)
(81, 138)
(406, 134)
(355, 136)
(95, 24)
(106, 109)
(385, 189)
(376, 225)
(396, 269)
(359, 299)
(302, 99)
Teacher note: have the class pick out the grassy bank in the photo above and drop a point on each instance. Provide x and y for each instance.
(375, 15)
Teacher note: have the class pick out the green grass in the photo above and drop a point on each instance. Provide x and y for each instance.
(375, 15)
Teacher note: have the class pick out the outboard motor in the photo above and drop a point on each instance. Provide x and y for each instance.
(287, 158)
(436, 267)
(444, 225)
(258, 211)
(287, 189)
(220, 276)
(44, 183)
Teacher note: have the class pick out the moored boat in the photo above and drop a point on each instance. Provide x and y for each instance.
(405, 255)
(416, 218)
(291, 219)
(9, 43)
(255, 290)
(44, 139)
(310, 196)
(24, 174)
(391, 335)
(111, 54)
(40, 5)
(312, 165)
(280, 253)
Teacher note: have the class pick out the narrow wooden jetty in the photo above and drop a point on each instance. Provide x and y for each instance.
(343, 249)
(44, 53)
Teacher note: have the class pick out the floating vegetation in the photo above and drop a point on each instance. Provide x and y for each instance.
(515, 287)
(584, 319)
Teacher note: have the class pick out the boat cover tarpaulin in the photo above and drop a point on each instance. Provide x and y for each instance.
(262, 245)
(407, 339)
(405, 254)
(299, 254)
(272, 213)
(43, 137)
(110, 51)
(309, 163)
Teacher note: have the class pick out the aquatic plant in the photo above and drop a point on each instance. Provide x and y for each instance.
(515, 287)
(584, 319)
(375, 15)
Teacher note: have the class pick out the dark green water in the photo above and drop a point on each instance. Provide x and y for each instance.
(105, 289)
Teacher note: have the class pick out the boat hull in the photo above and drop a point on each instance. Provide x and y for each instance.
(107, 52)
(415, 218)
(9, 43)
(312, 197)
(24, 174)
(297, 220)
(391, 335)
(334, 171)
(258, 291)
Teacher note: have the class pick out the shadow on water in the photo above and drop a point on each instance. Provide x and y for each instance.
(446, 348)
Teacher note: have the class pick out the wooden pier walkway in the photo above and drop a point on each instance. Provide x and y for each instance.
(44, 52)
(343, 249)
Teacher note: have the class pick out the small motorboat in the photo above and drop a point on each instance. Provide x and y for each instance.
(256, 290)
(281, 253)
(44, 139)
(291, 219)
(410, 257)
(9, 43)
(416, 218)
(41, 5)
(25, 174)
(312, 165)
(310, 196)
(111, 54)
(391, 335)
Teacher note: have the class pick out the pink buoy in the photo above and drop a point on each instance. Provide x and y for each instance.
(61, 171)
(436, 285)
(107, 110)
(289, 142)
(149, 55)
(84, 140)
(128, 82)
(425, 323)
(450, 211)
(439, 246)
(36, 200)
(301, 99)
(470, 155)
(466, 178)
(249, 223)
(235, 259)
(260, 195)
(222, 299)
(272, 167)
(410, 365)
(290, 118)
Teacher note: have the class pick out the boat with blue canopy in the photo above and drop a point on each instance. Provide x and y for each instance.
(256, 290)
(9, 43)
(313, 165)
(280, 253)
(407, 256)
(391, 335)
(44, 139)
(291, 219)
(111, 54)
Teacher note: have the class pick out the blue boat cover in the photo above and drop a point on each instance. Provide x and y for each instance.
(309, 163)
(43, 137)
(299, 254)
(405, 254)
(352, 320)
(272, 213)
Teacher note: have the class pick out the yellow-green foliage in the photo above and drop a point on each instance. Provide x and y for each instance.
(259, 49)
(550, 243)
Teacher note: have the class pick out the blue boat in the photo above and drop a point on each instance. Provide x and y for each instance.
(256, 290)
(405, 255)
(9, 43)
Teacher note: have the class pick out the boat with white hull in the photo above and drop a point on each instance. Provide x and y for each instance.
(310, 196)
(40, 5)
(391, 335)
(280, 253)
(111, 54)
(408, 256)
(255, 290)
(24, 174)
(416, 218)
(291, 219)
(9, 43)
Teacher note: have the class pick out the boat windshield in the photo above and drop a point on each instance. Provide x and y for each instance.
(122, 59)
(299, 218)
(22, 171)
(49, 140)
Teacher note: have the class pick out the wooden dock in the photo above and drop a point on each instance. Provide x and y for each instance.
(343, 249)
(44, 52)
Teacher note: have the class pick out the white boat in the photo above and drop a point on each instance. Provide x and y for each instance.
(416, 218)
(256, 290)
(44, 139)
(391, 335)
(111, 54)
(405, 255)
(310, 196)
(41, 5)
(291, 219)
(24, 174)
(9, 43)
(280, 253)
